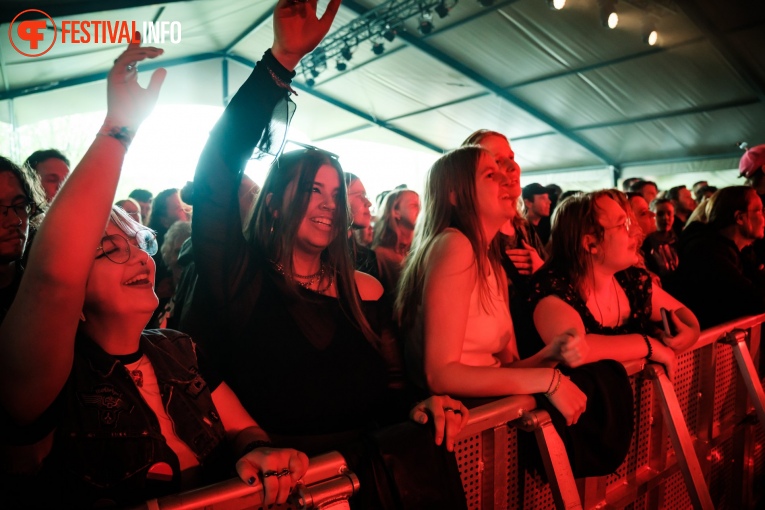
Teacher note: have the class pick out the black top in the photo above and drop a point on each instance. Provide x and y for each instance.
(8, 293)
(635, 282)
(717, 281)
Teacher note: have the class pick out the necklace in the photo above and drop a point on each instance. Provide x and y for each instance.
(618, 305)
(137, 373)
(309, 279)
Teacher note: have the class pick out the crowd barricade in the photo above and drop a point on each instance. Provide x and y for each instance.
(699, 442)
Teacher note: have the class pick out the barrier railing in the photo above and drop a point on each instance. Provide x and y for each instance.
(698, 443)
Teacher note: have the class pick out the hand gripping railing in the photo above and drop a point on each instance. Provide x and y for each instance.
(327, 484)
(738, 339)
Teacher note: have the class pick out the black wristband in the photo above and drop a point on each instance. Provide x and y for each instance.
(650, 347)
(252, 445)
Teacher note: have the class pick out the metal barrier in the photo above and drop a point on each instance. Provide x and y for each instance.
(698, 443)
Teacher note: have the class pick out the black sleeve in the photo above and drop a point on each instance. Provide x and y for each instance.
(256, 115)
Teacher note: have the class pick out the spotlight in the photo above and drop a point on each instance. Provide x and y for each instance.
(442, 10)
(556, 5)
(310, 82)
(314, 73)
(486, 3)
(426, 26)
(649, 34)
(346, 53)
(378, 48)
(389, 34)
(608, 16)
(341, 66)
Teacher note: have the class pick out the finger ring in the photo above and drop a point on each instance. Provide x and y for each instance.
(131, 67)
(283, 472)
(448, 409)
(457, 411)
(270, 472)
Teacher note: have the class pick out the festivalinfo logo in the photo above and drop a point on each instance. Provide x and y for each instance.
(33, 32)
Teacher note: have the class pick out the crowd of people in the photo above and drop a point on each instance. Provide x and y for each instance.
(161, 342)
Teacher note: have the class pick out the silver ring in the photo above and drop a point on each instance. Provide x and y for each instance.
(131, 67)
(283, 472)
(270, 472)
(448, 409)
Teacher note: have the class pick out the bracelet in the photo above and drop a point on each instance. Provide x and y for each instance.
(253, 445)
(122, 134)
(552, 381)
(650, 347)
(560, 378)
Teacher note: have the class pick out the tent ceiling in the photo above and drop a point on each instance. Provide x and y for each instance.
(569, 93)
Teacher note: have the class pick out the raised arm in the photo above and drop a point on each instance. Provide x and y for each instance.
(38, 333)
(259, 109)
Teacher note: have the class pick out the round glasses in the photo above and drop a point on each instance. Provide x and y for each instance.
(116, 247)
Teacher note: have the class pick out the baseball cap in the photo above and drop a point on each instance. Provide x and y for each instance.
(534, 189)
(752, 160)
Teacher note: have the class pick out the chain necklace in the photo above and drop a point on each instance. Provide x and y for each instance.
(309, 279)
(137, 373)
(618, 305)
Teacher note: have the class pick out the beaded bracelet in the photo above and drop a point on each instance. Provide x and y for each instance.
(552, 381)
(557, 372)
(650, 347)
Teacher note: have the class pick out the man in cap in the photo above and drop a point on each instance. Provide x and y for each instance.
(536, 199)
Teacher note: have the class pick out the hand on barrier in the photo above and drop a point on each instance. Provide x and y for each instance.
(449, 416)
(297, 29)
(128, 104)
(569, 400)
(278, 469)
(526, 260)
(684, 336)
(666, 356)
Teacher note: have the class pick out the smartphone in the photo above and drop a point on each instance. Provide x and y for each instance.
(665, 321)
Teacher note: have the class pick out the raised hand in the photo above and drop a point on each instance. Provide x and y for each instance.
(526, 260)
(129, 103)
(278, 469)
(298, 30)
(449, 416)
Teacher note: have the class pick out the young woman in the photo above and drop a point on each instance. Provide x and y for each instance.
(394, 230)
(108, 412)
(453, 306)
(521, 249)
(285, 296)
(365, 259)
(589, 285)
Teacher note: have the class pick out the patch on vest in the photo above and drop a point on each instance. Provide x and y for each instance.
(108, 402)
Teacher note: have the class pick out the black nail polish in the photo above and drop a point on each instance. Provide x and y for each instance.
(251, 480)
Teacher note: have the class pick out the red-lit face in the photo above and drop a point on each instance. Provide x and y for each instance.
(665, 217)
(361, 215)
(318, 226)
(645, 217)
(505, 158)
(495, 203)
(539, 207)
(649, 192)
(121, 289)
(53, 172)
(177, 210)
(618, 249)
(14, 226)
(408, 208)
(753, 225)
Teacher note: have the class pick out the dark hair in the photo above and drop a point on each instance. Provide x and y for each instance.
(142, 195)
(349, 178)
(674, 192)
(638, 186)
(453, 174)
(729, 201)
(159, 209)
(629, 182)
(30, 185)
(569, 193)
(273, 235)
(656, 202)
(38, 157)
(575, 217)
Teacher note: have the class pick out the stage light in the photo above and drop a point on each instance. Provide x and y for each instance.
(556, 5)
(426, 26)
(341, 66)
(389, 34)
(378, 48)
(649, 34)
(347, 53)
(608, 16)
(310, 82)
(314, 73)
(441, 9)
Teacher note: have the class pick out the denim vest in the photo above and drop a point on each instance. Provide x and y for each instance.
(108, 446)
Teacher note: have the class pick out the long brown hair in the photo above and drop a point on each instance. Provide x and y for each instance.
(449, 202)
(575, 217)
(274, 235)
(385, 233)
